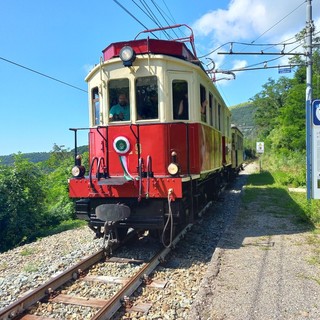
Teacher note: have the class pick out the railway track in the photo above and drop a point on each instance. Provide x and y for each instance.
(103, 308)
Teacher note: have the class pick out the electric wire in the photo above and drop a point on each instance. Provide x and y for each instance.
(279, 21)
(155, 19)
(148, 14)
(262, 62)
(253, 42)
(172, 17)
(166, 21)
(129, 13)
(42, 74)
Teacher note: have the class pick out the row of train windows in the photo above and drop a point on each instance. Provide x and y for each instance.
(147, 101)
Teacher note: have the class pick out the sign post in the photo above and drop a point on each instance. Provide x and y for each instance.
(260, 150)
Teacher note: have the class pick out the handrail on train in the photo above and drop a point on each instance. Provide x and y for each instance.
(190, 38)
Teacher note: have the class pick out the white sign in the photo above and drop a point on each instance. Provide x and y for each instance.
(315, 150)
(260, 147)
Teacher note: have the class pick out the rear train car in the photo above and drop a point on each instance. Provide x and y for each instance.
(154, 165)
(237, 150)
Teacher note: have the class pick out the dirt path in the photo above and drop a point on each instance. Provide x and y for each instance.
(266, 265)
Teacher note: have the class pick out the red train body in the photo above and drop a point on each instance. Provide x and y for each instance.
(150, 171)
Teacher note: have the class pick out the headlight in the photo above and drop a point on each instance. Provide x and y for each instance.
(127, 55)
(78, 171)
(173, 168)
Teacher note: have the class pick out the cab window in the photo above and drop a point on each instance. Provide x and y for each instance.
(180, 102)
(119, 102)
(147, 98)
(95, 106)
(203, 103)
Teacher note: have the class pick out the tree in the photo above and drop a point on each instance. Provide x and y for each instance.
(21, 201)
(268, 104)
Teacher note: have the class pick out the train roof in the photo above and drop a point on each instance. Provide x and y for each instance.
(175, 47)
(147, 46)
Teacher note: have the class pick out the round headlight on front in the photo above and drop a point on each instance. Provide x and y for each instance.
(127, 55)
(78, 171)
(121, 145)
(173, 168)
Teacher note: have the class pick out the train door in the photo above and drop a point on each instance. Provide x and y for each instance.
(179, 103)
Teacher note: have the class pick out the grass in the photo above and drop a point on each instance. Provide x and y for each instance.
(30, 267)
(28, 252)
(271, 194)
(266, 191)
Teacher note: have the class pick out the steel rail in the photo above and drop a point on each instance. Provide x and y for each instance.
(22, 304)
(115, 303)
(29, 299)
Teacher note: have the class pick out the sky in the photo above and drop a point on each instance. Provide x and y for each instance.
(48, 48)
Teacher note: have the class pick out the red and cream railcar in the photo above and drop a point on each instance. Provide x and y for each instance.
(158, 166)
(236, 149)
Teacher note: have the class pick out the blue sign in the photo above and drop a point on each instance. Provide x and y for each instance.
(284, 70)
(316, 112)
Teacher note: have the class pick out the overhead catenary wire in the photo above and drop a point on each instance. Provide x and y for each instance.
(129, 13)
(42, 74)
(279, 21)
(148, 12)
(252, 43)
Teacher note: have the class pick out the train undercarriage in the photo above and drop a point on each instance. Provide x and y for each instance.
(163, 218)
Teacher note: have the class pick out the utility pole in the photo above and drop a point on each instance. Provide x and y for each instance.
(309, 144)
(312, 126)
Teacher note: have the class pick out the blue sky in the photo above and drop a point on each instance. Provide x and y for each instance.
(64, 39)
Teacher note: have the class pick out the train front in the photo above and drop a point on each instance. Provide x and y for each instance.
(136, 156)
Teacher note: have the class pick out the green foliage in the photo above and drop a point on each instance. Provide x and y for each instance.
(269, 103)
(288, 168)
(59, 206)
(38, 157)
(242, 116)
(21, 201)
(34, 198)
(34, 157)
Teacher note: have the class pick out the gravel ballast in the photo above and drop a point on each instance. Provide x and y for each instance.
(258, 268)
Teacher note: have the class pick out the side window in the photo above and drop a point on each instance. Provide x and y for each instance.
(228, 126)
(119, 100)
(211, 110)
(219, 116)
(234, 142)
(215, 113)
(95, 106)
(147, 98)
(180, 102)
(203, 103)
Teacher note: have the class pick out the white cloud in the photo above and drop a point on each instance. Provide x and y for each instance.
(239, 64)
(251, 21)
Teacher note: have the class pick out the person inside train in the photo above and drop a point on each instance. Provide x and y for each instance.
(121, 110)
(183, 112)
